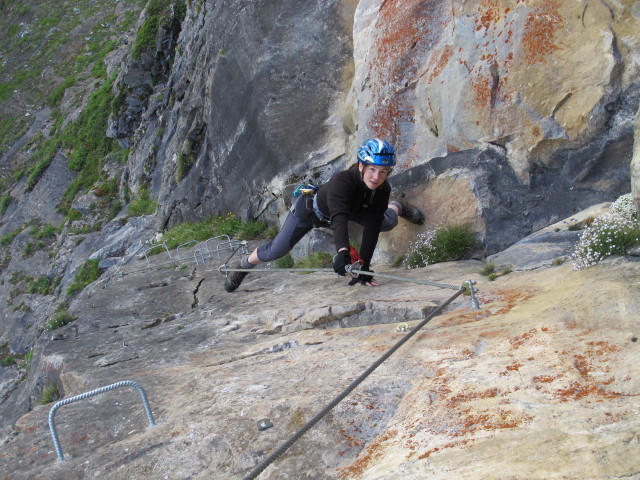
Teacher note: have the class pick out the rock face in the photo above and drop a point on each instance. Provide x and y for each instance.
(445, 76)
(248, 101)
(541, 382)
(260, 97)
(509, 116)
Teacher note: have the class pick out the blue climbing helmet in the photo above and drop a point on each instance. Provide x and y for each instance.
(377, 152)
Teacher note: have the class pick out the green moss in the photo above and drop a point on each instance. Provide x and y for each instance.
(73, 215)
(12, 127)
(285, 262)
(5, 200)
(210, 227)
(9, 237)
(47, 231)
(8, 361)
(488, 269)
(55, 98)
(31, 247)
(60, 319)
(86, 139)
(252, 229)
(183, 165)
(42, 157)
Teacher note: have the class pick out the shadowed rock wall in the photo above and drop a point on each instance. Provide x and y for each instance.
(251, 97)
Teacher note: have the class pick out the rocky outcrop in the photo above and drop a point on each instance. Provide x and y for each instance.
(536, 77)
(140, 74)
(546, 365)
(551, 84)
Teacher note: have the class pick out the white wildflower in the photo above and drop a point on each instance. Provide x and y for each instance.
(624, 206)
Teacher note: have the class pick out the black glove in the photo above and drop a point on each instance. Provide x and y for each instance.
(341, 260)
(363, 279)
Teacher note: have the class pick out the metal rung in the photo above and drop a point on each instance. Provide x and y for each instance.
(92, 393)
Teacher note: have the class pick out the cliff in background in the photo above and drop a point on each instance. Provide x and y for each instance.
(260, 97)
(508, 115)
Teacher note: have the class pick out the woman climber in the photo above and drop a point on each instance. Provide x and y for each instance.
(360, 194)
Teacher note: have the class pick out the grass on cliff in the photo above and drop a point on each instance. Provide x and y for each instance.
(49, 394)
(50, 46)
(210, 227)
(313, 260)
(60, 319)
(158, 12)
(142, 204)
(86, 274)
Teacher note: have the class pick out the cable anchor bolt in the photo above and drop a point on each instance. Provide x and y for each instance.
(470, 291)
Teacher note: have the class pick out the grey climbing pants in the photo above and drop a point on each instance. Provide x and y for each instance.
(300, 220)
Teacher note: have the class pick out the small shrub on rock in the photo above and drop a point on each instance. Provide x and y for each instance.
(445, 243)
(609, 234)
(49, 394)
(285, 262)
(625, 207)
(316, 260)
(60, 319)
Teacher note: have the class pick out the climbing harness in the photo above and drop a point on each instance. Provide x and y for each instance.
(316, 209)
(285, 446)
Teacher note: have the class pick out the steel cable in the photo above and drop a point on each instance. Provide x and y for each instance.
(354, 273)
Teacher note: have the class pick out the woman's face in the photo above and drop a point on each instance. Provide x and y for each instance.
(374, 175)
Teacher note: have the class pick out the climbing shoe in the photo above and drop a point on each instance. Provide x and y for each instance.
(409, 212)
(235, 278)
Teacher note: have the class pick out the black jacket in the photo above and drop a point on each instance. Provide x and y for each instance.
(346, 197)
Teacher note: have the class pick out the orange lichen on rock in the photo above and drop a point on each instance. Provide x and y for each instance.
(543, 379)
(488, 83)
(442, 61)
(444, 447)
(465, 413)
(538, 40)
(515, 367)
(371, 452)
(505, 300)
(578, 391)
(519, 340)
(483, 86)
(490, 15)
(405, 31)
(473, 395)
